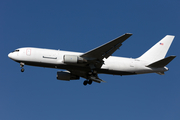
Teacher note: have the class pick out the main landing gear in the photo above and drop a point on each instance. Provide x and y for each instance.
(87, 82)
(22, 65)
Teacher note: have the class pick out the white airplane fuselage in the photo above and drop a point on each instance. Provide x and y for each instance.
(54, 59)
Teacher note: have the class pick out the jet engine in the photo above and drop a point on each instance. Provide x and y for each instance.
(73, 59)
(66, 75)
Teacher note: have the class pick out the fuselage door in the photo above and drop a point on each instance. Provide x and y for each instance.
(132, 63)
(28, 52)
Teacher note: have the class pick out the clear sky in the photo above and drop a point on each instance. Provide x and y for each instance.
(81, 26)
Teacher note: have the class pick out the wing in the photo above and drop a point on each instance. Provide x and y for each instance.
(107, 49)
(94, 58)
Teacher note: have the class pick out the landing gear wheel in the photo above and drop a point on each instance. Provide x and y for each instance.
(85, 82)
(22, 70)
(90, 82)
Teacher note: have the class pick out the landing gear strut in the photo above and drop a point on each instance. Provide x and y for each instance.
(90, 74)
(22, 65)
(87, 82)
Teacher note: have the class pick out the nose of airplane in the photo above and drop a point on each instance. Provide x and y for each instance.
(9, 55)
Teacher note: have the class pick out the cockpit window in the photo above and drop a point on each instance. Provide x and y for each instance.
(16, 51)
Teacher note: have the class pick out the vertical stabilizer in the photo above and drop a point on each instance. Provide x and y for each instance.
(159, 50)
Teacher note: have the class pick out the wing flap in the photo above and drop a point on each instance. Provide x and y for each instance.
(95, 79)
(160, 73)
(112, 50)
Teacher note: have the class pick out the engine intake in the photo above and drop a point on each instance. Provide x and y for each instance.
(73, 59)
(66, 75)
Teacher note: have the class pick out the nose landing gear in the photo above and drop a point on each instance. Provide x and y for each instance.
(22, 65)
(22, 69)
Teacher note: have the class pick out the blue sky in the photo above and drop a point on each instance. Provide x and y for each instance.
(81, 26)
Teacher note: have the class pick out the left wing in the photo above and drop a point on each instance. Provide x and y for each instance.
(94, 58)
(106, 50)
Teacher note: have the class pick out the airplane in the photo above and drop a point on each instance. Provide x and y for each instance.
(96, 61)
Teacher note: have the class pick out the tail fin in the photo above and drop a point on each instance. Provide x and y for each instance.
(159, 50)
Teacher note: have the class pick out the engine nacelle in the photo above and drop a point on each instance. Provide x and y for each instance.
(66, 75)
(73, 59)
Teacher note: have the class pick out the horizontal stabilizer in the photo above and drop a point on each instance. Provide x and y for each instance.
(162, 62)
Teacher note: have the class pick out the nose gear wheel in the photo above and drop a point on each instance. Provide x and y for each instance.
(22, 65)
